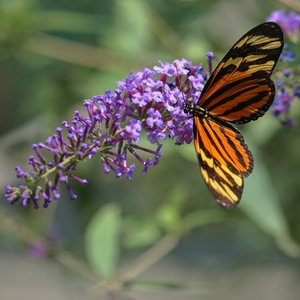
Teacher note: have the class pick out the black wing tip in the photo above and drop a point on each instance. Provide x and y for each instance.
(225, 203)
(270, 24)
(270, 29)
(275, 27)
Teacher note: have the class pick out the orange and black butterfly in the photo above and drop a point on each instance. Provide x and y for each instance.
(239, 90)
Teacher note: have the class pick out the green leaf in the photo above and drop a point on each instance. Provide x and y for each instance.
(131, 31)
(140, 232)
(168, 217)
(261, 203)
(102, 239)
(168, 214)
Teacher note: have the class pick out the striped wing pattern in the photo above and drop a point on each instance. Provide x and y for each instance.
(238, 91)
(224, 160)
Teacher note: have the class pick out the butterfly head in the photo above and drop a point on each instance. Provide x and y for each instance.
(188, 107)
(194, 109)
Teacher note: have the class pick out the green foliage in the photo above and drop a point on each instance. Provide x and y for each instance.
(169, 213)
(140, 231)
(102, 240)
(262, 204)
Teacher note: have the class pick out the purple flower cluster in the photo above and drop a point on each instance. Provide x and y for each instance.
(287, 83)
(149, 101)
(286, 91)
(288, 21)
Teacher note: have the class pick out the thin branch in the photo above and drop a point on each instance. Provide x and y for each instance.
(149, 258)
(25, 234)
(295, 5)
(73, 52)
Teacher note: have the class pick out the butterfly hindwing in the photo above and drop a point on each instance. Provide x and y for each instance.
(224, 159)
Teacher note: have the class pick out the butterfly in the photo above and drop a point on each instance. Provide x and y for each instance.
(238, 91)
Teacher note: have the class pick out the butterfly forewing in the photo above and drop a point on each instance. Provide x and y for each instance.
(239, 90)
(243, 101)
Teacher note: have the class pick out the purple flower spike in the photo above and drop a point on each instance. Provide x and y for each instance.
(149, 100)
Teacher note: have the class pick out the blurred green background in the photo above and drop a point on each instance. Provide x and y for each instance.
(55, 54)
